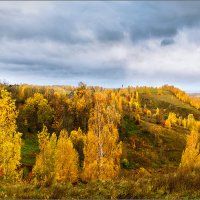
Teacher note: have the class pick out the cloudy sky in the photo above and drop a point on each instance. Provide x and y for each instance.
(101, 43)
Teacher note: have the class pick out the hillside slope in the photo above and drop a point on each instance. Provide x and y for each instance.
(152, 145)
(148, 144)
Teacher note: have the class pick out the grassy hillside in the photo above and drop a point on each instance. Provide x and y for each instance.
(152, 145)
(146, 145)
(151, 155)
(169, 102)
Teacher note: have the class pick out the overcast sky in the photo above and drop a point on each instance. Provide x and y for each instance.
(101, 43)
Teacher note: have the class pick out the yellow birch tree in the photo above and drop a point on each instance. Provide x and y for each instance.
(190, 159)
(102, 151)
(66, 165)
(10, 139)
(44, 169)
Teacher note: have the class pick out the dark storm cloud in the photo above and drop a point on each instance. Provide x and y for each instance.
(107, 20)
(165, 19)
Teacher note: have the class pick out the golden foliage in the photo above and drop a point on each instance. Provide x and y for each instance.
(184, 123)
(148, 113)
(45, 161)
(168, 123)
(10, 139)
(172, 118)
(191, 158)
(181, 95)
(66, 165)
(77, 136)
(157, 112)
(190, 121)
(102, 152)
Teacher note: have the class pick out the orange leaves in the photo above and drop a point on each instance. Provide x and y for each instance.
(168, 123)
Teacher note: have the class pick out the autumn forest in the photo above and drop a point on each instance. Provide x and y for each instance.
(93, 142)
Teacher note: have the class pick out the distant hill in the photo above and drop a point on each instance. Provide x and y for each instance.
(195, 94)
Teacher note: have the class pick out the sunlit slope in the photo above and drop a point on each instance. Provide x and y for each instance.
(168, 101)
(152, 145)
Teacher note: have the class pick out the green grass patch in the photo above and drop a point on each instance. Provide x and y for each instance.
(127, 127)
(29, 151)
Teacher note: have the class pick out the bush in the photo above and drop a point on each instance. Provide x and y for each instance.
(125, 163)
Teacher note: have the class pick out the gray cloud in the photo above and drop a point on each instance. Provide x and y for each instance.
(161, 19)
(105, 43)
(108, 21)
(51, 71)
(167, 42)
(110, 35)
